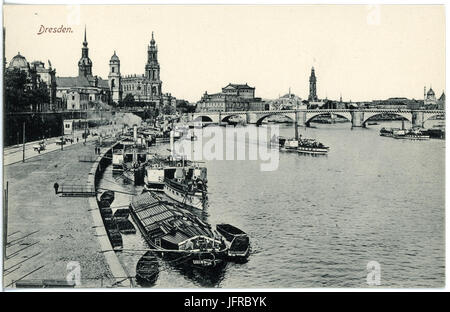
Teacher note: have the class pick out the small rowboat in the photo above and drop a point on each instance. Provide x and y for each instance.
(147, 270)
(239, 248)
(122, 213)
(115, 239)
(107, 196)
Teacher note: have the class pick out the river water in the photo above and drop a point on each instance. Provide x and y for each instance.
(318, 221)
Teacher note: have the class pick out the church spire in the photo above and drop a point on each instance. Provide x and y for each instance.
(312, 86)
(85, 41)
(152, 42)
(85, 64)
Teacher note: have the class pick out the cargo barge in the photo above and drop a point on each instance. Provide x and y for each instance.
(175, 233)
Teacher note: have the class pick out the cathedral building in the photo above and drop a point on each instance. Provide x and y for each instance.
(87, 91)
(147, 88)
(84, 91)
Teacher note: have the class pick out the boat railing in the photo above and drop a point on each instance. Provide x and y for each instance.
(184, 245)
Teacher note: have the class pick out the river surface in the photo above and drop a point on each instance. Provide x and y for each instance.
(318, 221)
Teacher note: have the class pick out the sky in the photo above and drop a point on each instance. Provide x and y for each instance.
(362, 52)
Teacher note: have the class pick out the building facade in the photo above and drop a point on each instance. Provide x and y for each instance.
(431, 102)
(147, 87)
(85, 91)
(287, 101)
(37, 76)
(234, 97)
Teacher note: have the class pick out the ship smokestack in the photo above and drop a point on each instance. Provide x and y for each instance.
(135, 133)
(171, 143)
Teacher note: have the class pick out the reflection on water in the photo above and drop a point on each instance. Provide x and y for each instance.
(318, 221)
(201, 276)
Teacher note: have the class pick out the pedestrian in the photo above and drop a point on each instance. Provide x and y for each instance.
(77, 139)
(56, 186)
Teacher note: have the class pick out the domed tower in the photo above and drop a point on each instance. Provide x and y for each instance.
(114, 78)
(85, 63)
(430, 97)
(152, 71)
(19, 62)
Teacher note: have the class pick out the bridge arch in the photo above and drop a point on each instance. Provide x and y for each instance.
(428, 116)
(228, 117)
(311, 116)
(203, 118)
(261, 118)
(369, 115)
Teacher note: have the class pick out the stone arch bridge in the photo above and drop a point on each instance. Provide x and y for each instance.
(303, 117)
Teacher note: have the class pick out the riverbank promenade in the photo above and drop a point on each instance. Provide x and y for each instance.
(50, 237)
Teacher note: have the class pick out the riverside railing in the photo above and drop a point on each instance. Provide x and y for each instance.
(76, 190)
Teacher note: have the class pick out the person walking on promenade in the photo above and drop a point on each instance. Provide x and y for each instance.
(56, 186)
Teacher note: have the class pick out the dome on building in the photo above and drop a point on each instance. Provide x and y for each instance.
(18, 61)
(114, 57)
(430, 93)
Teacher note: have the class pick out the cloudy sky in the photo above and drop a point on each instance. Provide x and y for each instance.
(362, 52)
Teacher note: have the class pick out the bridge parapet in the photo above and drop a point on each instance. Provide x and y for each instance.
(358, 117)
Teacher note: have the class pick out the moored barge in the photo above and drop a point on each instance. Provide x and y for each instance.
(176, 233)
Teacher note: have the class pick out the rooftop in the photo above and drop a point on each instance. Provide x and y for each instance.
(238, 86)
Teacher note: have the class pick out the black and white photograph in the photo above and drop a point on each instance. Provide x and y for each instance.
(162, 147)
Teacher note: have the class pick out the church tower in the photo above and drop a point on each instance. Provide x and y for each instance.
(312, 86)
(152, 71)
(85, 63)
(114, 78)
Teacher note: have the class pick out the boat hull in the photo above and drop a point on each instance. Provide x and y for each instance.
(154, 187)
(233, 234)
(412, 137)
(312, 150)
(190, 200)
(201, 259)
(288, 149)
